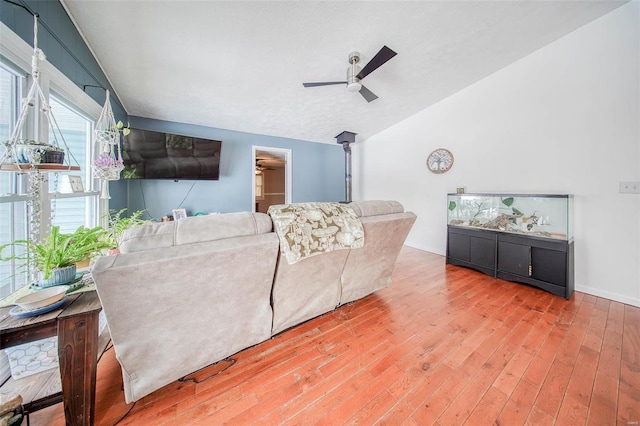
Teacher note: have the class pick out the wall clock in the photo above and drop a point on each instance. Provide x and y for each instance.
(440, 160)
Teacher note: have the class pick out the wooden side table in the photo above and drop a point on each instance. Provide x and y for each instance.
(76, 325)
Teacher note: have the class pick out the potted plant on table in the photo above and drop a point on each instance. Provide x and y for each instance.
(55, 258)
(118, 224)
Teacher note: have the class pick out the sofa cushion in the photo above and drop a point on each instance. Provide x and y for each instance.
(197, 229)
(375, 207)
(194, 229)
(316, 228)
(148, 236)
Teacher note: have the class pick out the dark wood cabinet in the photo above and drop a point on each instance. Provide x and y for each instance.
(476, 249)
(540, 262)
(514, 258)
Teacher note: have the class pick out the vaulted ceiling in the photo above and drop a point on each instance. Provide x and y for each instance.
(240, 65)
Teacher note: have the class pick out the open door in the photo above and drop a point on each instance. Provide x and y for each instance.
(271, 177)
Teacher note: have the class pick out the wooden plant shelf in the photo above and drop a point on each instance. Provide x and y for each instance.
(49, 167)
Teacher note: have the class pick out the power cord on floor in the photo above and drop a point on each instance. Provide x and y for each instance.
(231, 361)
(183, 379)
(126, 414)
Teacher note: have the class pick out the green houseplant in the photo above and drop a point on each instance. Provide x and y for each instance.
(118, 224)
(58, 252)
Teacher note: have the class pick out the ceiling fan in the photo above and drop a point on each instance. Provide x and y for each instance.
(355, 74)
(262, 167)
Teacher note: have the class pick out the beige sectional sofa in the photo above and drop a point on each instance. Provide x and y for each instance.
(182, 295)
(318, 284)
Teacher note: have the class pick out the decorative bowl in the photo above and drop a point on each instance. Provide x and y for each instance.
(41, 298)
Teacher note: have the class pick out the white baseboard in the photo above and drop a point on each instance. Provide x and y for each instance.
(588, 290)
(608, 295)
(425, 248)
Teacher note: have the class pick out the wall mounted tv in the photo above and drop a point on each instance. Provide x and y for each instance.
(156, 155)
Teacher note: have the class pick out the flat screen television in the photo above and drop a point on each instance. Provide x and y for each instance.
(156, 155)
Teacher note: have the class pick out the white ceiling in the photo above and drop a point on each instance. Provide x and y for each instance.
(240, 65)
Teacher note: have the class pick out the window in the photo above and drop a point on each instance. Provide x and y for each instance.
(77, 209)
(13, 206)
(75, 113)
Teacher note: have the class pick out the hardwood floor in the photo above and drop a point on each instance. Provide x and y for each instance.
(444, 345)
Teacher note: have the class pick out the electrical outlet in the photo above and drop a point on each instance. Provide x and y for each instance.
(630, 187)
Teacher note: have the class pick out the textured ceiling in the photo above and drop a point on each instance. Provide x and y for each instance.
(240, 65)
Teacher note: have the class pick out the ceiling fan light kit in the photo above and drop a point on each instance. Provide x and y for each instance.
(355, 73)
(353, 82)
(354, 87)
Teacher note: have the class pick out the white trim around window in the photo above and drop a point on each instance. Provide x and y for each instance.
(53, 82)
(20, 52)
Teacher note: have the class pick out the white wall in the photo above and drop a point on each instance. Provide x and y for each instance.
(565, 119)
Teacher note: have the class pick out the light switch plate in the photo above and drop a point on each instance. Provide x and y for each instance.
(630, 187)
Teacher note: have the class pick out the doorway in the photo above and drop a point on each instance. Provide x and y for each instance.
(271, 177)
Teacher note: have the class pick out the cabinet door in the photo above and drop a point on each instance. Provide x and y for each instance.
(458, 246)
(483, 252)
(513, 258)
(549, 265)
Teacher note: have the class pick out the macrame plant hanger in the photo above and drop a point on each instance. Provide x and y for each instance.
(11, 154)
(109, 162)
(13, 160)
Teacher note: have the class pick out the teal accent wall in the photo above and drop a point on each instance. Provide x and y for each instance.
(66, 50)
(317, 169)
(62, 44)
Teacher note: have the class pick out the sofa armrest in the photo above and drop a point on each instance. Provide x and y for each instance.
(370, 268)
(376, 207)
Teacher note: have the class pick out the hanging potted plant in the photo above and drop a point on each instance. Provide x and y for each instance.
(28, 151)
(55, 258)
(109, 163)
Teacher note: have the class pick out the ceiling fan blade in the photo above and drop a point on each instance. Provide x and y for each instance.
(368, 94)
(326, 83)
(380, 59)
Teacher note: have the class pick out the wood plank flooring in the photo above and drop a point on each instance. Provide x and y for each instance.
(444, 345)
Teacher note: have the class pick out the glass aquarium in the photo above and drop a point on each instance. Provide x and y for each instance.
(547, 216)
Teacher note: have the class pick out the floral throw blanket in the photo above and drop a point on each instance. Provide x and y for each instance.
(308, 229)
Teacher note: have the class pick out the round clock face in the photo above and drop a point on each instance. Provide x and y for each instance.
(440, 160)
